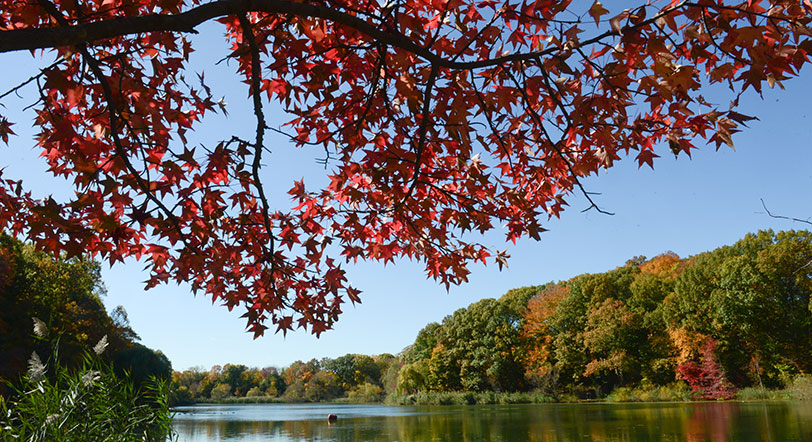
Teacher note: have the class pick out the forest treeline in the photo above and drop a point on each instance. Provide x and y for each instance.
(699, 327)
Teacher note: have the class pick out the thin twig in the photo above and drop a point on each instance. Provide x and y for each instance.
(772, 215)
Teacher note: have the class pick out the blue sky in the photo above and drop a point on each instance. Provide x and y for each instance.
(684, 205)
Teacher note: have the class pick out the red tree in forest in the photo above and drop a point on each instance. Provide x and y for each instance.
(438, 118)
(707, 378)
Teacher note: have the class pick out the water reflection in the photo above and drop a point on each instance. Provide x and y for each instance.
(723, 421)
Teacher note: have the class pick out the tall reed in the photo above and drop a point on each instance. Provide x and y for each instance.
(55, 403)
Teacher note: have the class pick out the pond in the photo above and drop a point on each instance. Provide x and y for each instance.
(701, 421)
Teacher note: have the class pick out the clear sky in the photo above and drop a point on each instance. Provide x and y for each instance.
(684, 205)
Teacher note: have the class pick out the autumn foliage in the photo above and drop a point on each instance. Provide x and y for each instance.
(707, 378)
(665, 328)
(438, 118)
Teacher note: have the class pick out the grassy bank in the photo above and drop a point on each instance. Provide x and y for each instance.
(799, 389)
(676, 392)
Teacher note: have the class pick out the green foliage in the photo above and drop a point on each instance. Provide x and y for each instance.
(673, 392)
(753, 298)
(622, 334)
(321, 386)
(390, 377)
(444, 370)
(467, 398)
(627, 331)
(801, 387)
(66, 295)
(254, 392)
(353, 369)
(88, 403)
(423, 345)
(758, 394)
(143, 363)
(366, 392)
(221, 391)
(181, 396)
(359, 377)
(478, 348)
(413, 377)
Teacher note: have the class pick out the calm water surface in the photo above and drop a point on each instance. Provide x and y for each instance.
(723, 421)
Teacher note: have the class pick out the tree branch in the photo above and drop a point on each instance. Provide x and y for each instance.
(93, 64)
(806, 221)
(71, 35)
(256, 78)
(421, 141)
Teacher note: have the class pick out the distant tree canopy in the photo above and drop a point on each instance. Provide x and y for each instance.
(360, 377)
(733, 317)
(66, 295)
(742, 312)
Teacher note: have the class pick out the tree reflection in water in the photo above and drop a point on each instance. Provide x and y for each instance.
(705, 421)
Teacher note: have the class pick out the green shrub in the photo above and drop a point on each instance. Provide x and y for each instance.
(801, 387)
(621, 394)
(53, 403)
(366, 392)
(254, 392)
(755, 393)
(676, 391)
(181, 396)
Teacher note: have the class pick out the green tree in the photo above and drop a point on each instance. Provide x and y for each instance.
(221, 391)
(254, 392)
(66, 295)
(613, 338)
(753, 299)
(423, 345)
(322, 386)
(444, 370)
(649, 290)
(567, 325)
(353, 370)
(143, 363)
(391, 377)
(210, 380)
(238, 378)
(273, 384)
(413, 377)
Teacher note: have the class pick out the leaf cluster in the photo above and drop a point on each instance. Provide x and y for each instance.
(440, 120)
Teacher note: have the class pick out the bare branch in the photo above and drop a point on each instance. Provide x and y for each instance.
(806, 221)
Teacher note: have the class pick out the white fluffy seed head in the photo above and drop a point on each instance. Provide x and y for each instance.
(101, 345)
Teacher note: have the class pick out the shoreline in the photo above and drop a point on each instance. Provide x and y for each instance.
(492, 398)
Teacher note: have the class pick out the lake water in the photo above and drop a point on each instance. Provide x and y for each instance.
(704, 421)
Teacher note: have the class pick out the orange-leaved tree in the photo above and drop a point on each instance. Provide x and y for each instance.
(438, 117)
